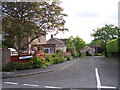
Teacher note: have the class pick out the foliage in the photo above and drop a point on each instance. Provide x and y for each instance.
(31, 19)
(75, 54)
(97, 54)
(88, 53)
(68, 56)
(39, 62)
(106, 33)
(79, 43)
(13, 66)
(58, 60)
(99, 43)
(112, 45)
(75, 45)
(7, 43)
(50, 58)
(70, 44)
(59, 51)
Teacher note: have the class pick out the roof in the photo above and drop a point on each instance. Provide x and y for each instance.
(64, 40)
(60, 40)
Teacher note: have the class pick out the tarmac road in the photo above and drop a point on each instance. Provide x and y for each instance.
(91, 72)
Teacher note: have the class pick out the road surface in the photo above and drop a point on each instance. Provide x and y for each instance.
(93, 72)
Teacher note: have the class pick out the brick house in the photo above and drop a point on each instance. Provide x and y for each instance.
(59, 43)
(39, 40)
(87, 48)
(49, 46)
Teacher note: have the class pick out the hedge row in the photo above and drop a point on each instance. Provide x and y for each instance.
(112, 45)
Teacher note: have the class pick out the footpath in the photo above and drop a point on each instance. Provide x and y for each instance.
(51, 68)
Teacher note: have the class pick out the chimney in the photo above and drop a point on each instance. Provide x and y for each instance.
(51, 36)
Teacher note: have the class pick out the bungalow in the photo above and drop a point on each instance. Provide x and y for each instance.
(49, 46)
(59, 43)
(87, 48)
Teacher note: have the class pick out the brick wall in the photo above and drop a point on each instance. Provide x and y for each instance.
(36, 41)
(58, 45)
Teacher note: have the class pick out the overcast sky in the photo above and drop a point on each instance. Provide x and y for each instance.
(86, 15)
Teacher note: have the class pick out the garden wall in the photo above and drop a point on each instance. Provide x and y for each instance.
(5, 56)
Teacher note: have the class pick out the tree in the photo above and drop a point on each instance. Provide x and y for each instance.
(31, 19)
(99, 43)
(76, 43)
(106, 33)
(70, 44)
(79, 43)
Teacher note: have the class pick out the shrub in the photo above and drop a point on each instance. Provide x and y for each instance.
(88, 53)
(13, 66)
(75, 54)
(59, 51)
(39, 62)
(50, 58)
(97, 54)
(69, 58)
(58, 60)
(9, 67)
(112, 45)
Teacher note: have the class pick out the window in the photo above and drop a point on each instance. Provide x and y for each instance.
(47, 50)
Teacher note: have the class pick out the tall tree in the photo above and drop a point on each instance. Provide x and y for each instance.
(106, 33)
(70, 44)
(31, 19)
(99, 43)
(76, 43)
(79, 43)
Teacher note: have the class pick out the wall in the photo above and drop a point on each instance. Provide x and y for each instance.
(5, 56)
(36, 41)
(58, 44)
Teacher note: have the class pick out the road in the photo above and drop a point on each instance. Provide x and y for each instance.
(91, 72)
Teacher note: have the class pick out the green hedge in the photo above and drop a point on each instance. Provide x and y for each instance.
(112, 45)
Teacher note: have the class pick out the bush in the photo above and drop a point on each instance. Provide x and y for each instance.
(13, 66)
(112, 45)
(80, 54)
(50, 59)
(88, 53)
(39, 62)
(97, 54)
(58, 60)
(69, 58)
(59, 51)
(75, 54)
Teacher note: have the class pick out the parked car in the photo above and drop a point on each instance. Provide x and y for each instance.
(13, 52)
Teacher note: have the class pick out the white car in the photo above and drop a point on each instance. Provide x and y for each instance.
(13, 52)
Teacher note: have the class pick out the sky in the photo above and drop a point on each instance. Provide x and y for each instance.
(86, 15)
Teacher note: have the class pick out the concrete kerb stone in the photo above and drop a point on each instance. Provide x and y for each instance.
(28, 74)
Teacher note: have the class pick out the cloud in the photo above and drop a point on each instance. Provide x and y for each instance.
(87, 14)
